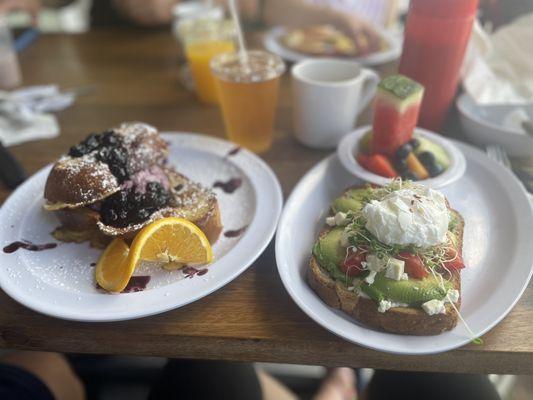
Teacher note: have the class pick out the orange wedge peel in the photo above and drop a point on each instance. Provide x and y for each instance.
(175, 242)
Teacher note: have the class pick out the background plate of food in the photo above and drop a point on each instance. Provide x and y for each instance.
(296, 44)
(496, 251)
(225, 190)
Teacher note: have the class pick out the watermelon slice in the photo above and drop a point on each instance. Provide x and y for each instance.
(378, 164)
(396, 109)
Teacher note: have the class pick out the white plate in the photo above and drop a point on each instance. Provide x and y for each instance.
(497, 251)
(60, 282)
(272, 43)
(483, 125)
(349, 146)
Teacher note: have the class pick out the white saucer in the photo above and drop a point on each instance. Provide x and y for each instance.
(60, 282)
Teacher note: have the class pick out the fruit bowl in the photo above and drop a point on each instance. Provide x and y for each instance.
(349, 146)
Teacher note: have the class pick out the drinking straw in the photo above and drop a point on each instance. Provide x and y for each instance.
(243, 55)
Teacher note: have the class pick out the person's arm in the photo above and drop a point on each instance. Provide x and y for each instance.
(56, 3)
(146, 12)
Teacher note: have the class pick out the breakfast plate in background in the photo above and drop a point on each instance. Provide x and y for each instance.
(393, 45)
(60, 281)
(499, 259)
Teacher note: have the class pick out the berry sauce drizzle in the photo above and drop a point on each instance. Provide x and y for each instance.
(235, 232)
(27, 245)
(234, 151)
(191, 272)
(229, 186)
(137, 284)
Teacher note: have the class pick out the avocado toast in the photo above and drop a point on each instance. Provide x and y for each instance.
(391, 258)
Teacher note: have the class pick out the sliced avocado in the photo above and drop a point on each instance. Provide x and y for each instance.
(440, 154)
(352, 200)
(330, 254)
(413, 291)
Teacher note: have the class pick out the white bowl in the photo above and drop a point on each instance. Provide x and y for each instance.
(483, 126)
(349, 147)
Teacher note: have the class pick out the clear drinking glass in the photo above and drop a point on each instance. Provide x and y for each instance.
(248, 93)
(202, 40)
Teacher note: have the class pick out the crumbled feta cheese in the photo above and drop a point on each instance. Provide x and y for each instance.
(345, 239)
(395, 269)
(330, 221)
(340, 219)
(384, 305)
(434, 306)
(453, 296)
(405, 277)
(370, 277)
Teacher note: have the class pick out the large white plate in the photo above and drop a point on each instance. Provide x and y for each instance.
(272, 43)
(60, 282)
(497, 251)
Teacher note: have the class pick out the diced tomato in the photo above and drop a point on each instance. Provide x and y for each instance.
(378, 164)
(457, 260)
(414, 266)
(352, 266)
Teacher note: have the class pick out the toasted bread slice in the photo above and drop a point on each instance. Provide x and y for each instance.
(400, 320)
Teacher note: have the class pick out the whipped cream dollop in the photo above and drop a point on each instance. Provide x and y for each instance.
(416, 215)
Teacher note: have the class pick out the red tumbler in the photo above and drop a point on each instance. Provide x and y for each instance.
(436, 36)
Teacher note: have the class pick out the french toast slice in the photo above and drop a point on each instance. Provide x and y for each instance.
(399, 320)
(189, 200)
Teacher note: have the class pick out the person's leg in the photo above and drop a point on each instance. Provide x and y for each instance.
(197, 379)
(52, 369)
(273, 389)
(395, 385)
(339, 384)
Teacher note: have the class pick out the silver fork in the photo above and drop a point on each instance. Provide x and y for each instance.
(499, 154)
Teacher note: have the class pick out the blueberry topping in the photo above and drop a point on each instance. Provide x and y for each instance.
(409, 176)
(415, 143)
(116, 157)
(403, 151)
(109, 149)
(130, 206)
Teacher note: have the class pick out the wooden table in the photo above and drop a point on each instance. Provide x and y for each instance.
(135, 77)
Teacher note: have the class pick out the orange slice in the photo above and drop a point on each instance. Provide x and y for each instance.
(173, 241)
(114, 268)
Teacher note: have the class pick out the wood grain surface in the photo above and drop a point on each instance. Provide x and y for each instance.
(133, 75)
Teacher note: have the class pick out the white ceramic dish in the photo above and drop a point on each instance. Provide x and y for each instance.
(349, 146)
(498, 228)
(60, 282)
(483, 126)
(272, 43)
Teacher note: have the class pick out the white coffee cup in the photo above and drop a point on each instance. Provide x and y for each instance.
(328, 95)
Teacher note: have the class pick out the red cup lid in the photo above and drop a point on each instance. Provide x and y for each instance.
(445, 8)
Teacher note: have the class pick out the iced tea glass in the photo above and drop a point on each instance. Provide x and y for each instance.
(248, 95)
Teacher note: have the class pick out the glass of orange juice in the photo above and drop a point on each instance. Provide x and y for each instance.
(203, 39)
(248, 92)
